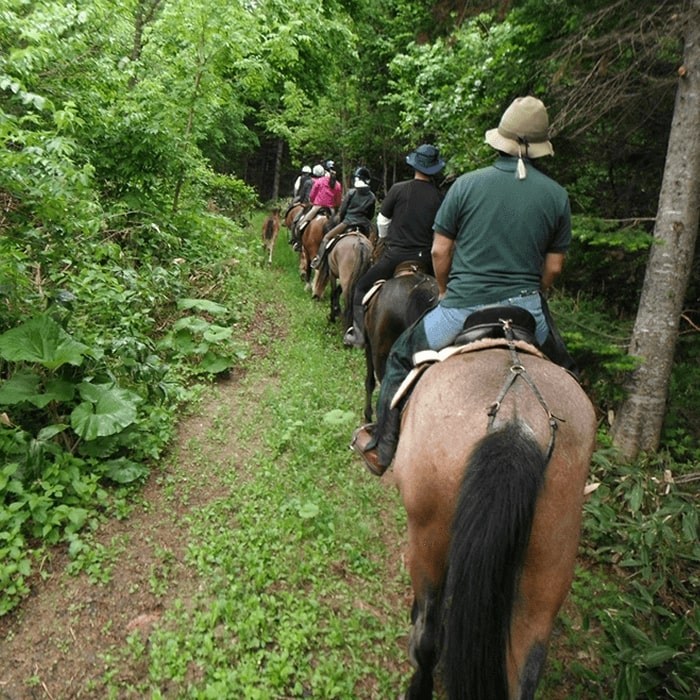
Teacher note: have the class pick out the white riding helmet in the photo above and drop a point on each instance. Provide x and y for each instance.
(306, 169)
(318, 171)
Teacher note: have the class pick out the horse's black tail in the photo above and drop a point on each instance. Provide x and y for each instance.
(490, 534)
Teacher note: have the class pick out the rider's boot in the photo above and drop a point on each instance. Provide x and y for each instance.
(377, 451)
(355, 335)
(318, 258)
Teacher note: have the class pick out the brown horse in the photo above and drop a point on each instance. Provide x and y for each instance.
(348, 259)
(310, 241)
(491, 465)
(393, 307)
(292, 213)
(270, 230)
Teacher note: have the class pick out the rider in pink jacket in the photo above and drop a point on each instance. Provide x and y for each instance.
(325, 192)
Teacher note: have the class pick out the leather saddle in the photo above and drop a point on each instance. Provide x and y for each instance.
(499, 322)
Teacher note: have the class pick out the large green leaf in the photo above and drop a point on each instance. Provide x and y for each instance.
(25, 385)
(125, 471)
(203, 305)
(217, 334)
(43, 341)
(213, 363)
(106, 410)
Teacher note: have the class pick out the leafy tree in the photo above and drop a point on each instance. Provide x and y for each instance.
(450, 91)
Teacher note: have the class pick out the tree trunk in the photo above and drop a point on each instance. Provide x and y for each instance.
(145, 13)
(278, 168)
(637, 426)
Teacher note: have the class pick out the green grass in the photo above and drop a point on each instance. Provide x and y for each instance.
(293, 599)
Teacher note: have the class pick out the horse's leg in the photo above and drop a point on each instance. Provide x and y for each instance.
(302, 265)
(275, 233)
(423, 646)
(546, 577)
(428, 533)
(370, 382)
(347, 307)
(335, 299)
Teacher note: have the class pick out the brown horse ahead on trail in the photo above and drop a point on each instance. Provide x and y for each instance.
(310, 241)
(292, 214)
(270, 230)
(391, 308)
(349, 257)
(491, 465)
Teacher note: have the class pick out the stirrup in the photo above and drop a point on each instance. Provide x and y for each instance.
(375, 469)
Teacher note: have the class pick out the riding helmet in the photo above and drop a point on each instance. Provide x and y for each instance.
(318, 170)
(330, 165)
(362, 173)
(306, 169)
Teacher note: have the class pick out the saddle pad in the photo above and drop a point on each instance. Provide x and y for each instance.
(424, 358)
(373, 290)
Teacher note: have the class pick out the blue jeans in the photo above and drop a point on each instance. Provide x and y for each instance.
(442, 325)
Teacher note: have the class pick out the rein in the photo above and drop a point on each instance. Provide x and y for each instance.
(518, 370)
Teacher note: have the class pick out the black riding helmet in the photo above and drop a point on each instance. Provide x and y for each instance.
(362, 173)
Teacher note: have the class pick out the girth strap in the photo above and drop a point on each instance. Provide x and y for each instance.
(518, 370)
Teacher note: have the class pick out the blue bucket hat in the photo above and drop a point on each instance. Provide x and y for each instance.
(426, 159)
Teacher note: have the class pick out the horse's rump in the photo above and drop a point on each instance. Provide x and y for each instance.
(294, 212)
(310, 242)
(270, 231)
(271, 227)
(348, 258)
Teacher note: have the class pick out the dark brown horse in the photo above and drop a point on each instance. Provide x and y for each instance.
(348, 259)
(397, 304)
(491, 465)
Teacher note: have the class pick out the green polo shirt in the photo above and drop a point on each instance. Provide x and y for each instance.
(503, 228)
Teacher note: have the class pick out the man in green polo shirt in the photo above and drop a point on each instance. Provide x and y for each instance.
(501, 236)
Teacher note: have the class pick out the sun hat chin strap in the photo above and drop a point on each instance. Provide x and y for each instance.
(521, 170)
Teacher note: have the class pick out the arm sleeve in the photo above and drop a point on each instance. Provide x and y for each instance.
(345, 204)
(383, 225)
(562, 237)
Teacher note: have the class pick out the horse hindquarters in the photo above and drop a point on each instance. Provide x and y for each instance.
(490, 535)
(492, 524)
(271, 228)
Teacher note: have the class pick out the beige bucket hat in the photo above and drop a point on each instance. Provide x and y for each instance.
(523, 130)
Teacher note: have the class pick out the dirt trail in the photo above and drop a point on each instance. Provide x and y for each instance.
(55, 644)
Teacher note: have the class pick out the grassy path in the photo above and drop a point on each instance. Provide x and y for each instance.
(262, 561)
(301, 590)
